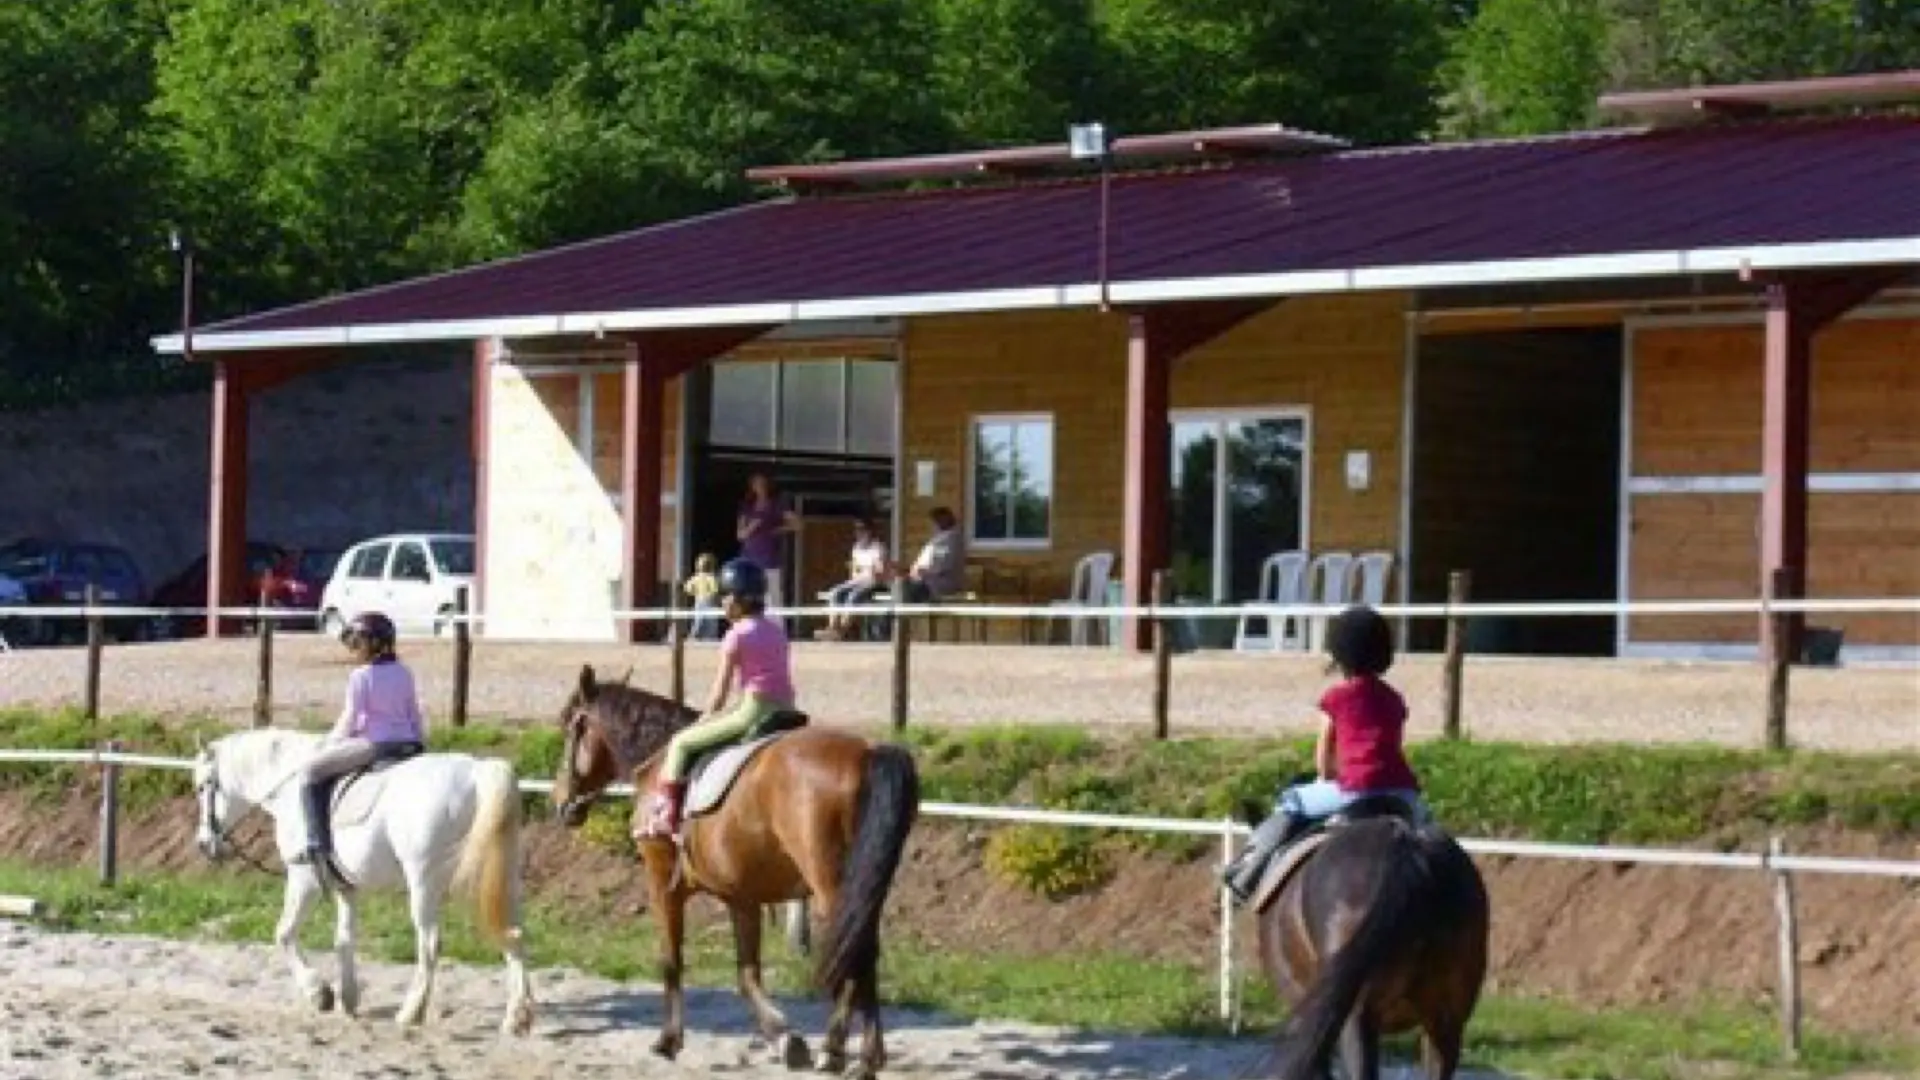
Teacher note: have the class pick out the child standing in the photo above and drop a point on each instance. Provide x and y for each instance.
(1360, 752)
(704, 589)
(380, 722)
(756, 651)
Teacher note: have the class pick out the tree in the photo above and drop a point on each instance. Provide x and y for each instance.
(1526, 66)
(1016, 71)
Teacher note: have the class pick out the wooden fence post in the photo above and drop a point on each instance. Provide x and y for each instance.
(263, 676)
(678, 631)
(1162, 656)
(462, 656)
(1779, 663)
(96, 644)
(902, 659)
(1459, 593)
(1788, 924)
(110, 817)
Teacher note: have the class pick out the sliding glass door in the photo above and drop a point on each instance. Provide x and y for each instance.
(1239, 496)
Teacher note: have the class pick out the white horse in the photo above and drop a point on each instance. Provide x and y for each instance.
(429, 823)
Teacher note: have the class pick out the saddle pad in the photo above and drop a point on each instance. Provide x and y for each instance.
(712, 781)
(1283, 868)
(358, 792)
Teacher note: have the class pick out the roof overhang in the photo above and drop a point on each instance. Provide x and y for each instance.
(1724, 260)
(1694, 104)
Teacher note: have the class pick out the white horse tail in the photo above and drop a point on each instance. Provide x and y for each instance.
(490, 860)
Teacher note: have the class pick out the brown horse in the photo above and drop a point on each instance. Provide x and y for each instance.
(1381, 929)
(816, 812)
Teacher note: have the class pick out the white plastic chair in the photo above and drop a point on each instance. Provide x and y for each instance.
(1375, 572)
(1087, 589)
(1282, 581)
(1329, 582)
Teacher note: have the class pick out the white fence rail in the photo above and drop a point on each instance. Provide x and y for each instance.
(1568, 608)
(1773, 861)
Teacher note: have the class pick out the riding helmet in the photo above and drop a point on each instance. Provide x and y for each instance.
(744, 579)
(1360, 641)
(372, 630)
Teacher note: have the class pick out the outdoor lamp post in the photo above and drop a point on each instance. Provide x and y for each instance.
(182, 243)
(1090, 142)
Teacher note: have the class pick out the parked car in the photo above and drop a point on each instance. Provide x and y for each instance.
(56, 573)
(188, 588)
(413, 578)
(12, 595)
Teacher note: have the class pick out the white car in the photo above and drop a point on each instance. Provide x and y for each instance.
(412, 578)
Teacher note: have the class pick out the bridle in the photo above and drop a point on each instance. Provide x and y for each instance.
(577, 723)
(207, 793)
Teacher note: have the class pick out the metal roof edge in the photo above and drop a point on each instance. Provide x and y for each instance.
(1803, 256)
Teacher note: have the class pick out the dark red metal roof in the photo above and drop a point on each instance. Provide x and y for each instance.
(1695, 103)
(1621, 191)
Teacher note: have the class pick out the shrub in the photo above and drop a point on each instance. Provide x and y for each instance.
(1054, 862)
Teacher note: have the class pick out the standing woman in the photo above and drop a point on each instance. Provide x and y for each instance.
(764, 519)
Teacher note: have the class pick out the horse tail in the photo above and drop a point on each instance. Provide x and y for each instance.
(1394, 917)
(490, 858)
(889, 801)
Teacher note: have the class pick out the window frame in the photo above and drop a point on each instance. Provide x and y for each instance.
(975, 422)
(777, 402)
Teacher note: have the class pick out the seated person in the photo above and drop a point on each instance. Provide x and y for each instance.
(940, 570)
(867, 569)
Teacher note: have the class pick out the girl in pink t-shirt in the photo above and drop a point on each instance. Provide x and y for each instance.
(754, 653)
(381, 721)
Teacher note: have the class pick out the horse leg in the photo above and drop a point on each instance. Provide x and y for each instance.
(344, 926)
(833, 1047)
(789, 1048)
(1360, 1045)
(426, 889)
(671, 903)
(303, 890)
(1440, 1049)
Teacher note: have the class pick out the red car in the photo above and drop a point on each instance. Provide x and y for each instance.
(285, 576)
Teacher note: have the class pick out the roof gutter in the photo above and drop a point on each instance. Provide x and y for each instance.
(1762, 257)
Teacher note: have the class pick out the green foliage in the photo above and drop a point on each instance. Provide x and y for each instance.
(1056, 863)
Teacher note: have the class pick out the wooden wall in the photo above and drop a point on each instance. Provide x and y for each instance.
(1697, 413)
(1342, 357)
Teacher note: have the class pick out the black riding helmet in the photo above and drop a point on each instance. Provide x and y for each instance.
(1360, 641)
(743, 579)
(372, 632)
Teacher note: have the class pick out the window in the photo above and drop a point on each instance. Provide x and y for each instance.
(806, 406)
(453, 556)
(369, 563)
(1239, 492)
(1012, 475)
(410, 563)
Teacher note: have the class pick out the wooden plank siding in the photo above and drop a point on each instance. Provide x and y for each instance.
(1696, 413)
(1340, 357)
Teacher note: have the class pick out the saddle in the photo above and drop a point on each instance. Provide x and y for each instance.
(1295, 855)
(349, 802)
(712, 773)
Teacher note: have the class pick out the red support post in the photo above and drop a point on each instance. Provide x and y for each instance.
(227, 501)
(1798, 306)
(1157, 337)
(642, 442)
(480, 434)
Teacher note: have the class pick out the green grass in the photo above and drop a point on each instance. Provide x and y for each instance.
(1524, 1037)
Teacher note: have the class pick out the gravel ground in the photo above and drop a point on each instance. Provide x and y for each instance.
(1543, 700)
(83, 1005)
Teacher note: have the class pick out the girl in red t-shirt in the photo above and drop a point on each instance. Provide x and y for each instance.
(1360, 750)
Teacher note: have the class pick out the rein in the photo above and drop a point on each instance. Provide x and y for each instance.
(223, 837)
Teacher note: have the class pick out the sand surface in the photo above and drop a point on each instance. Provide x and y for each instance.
(87, 1005)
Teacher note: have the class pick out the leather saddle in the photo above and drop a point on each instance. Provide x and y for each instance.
(711, 775)
(348, 800)
(1295, 855)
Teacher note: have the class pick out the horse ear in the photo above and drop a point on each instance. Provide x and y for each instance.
(626, 679)
(587, 685)
(199, 743)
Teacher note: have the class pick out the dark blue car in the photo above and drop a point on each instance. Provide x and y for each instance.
(56, 573)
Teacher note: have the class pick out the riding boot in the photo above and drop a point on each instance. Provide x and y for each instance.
(313, 800)
(663, 814)
(1242, 876)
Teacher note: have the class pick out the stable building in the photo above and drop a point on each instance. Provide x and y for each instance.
(1675, 359)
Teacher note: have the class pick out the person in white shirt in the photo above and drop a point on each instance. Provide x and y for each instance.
(867, 571)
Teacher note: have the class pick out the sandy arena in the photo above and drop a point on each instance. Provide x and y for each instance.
(82, 1005)
(1535, 700)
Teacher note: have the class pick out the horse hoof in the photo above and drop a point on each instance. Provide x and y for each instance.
(323, 998)
(794, 1053)
(519, 1024)
(832, 1062)
(666, 1046)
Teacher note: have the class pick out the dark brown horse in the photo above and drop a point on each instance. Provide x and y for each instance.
(817, 812)
(1382, 929)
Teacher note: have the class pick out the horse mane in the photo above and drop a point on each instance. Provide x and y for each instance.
(262, 755)
(636, 723)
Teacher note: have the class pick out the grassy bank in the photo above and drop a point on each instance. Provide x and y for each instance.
(1523, 1037)
(1584, 794)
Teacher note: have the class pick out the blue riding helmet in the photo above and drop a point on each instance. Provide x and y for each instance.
(743, 578)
